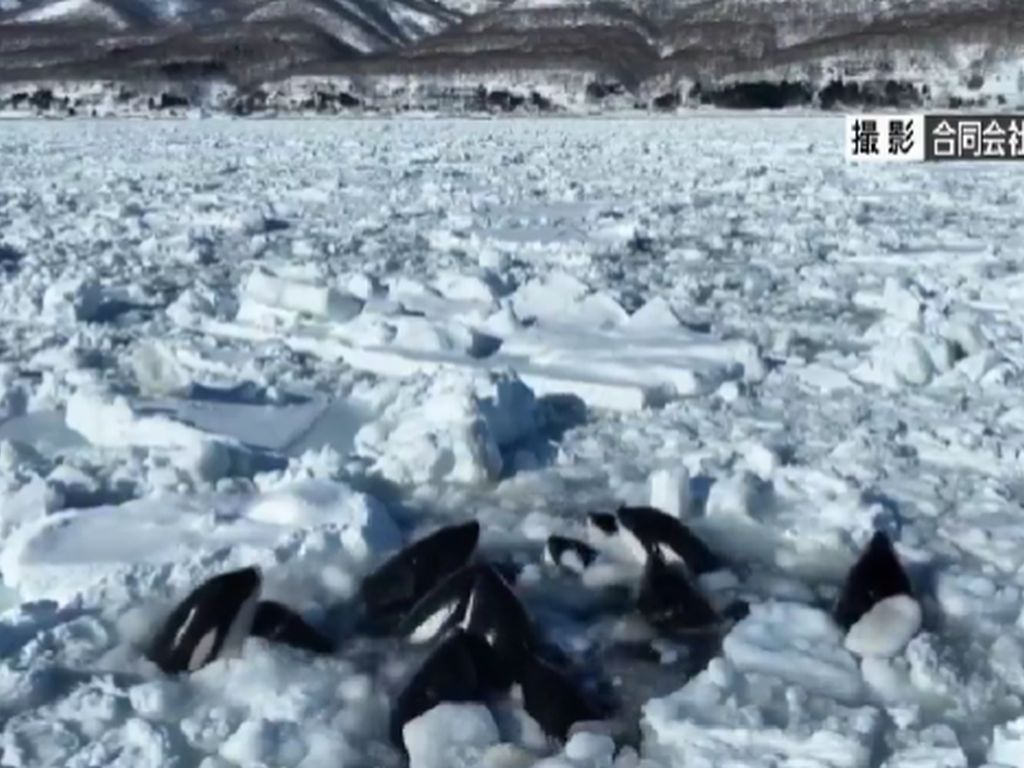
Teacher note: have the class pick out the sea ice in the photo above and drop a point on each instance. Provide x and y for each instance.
(723, 717)
(886, 629)
(935, 747)
(670, 490)
(258, 292)
(450, 736)
(164, 541)
(1008, 744)
(798, 644)
(451, 427)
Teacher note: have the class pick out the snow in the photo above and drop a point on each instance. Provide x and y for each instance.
(717, 719)
(1008, 744)
(101, 544)
(296, 345)
(937, 746)
(62, 10)
(276, 292)
(451, 426)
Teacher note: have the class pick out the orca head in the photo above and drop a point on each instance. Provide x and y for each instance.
(407, 576)
(553, 699)
(602, 523)
(878, 574)
(441, 608)
(569, 554)
(617, 542)
(457, 670)
(657, 530)
(495, 614)
(670, 602)
(278, 623)
(211, 622)
(645, 530)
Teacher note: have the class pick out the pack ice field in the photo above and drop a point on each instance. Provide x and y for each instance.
(566, 443)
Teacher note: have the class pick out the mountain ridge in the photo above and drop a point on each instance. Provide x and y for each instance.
(329, 55)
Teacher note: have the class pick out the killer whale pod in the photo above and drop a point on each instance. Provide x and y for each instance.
(671, 555)
(489, 643)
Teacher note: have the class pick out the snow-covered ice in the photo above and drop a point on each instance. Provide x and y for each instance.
(886, 628)
(795, 643)
(724, 718)
(298, 344)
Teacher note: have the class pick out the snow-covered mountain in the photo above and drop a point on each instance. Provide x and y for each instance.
(502, 54)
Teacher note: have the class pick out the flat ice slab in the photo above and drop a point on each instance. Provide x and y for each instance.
(171, 538)
(614, 361)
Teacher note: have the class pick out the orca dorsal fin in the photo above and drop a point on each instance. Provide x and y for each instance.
(670, 602)
(553, 699)
(458, 669)
(877, 575)
(280, 624)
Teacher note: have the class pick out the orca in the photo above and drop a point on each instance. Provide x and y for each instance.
(440, 609)
(609, 537)
(478, 600)
(632, 533)
(604, 521)
(211, 623)
(459, 669)
(569, 554)
(278, 623)
(666, 534)
(876, 576)
(390, 591)
(670, 602)
(553, 699)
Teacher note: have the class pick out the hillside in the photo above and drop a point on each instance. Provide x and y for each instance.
(328, 55)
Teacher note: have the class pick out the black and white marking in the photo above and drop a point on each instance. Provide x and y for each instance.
(553, 699)
(569, 554)
(405, 578)
(441, 609)
(278, 623)
(458, 670)
(478, 600)
(635, 532)
(876, 606)
(670, 602)
(211, 623)
(877, 575)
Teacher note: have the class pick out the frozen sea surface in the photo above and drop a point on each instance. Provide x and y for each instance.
(298, 344)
